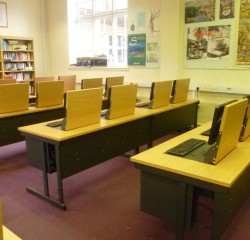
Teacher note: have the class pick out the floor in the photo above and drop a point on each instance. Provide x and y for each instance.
(103, 203)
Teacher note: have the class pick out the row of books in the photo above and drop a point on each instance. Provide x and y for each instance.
(18, 66)
(19, 76)
(16, 56)
(16, 45)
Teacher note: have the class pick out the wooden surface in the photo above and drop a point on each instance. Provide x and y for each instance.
(41, 79)
(49, 93)
(83, 107)
(1, 222)
(8, 235)
(181, 90)
(7, 81)
(225, 173)
(91, 83)
(42, 130)
(162, 92)
(113, 81)
(14, 97)
(230, 128)
(69, 82)
(30, 110)
(122, 100)
(247, 124)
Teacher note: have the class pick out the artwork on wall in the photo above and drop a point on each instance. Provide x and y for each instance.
(199, 11)
(144, 37)
(243, 51)
(207, 43)
(137, 49)
(3, 15)
(226, 9)
(154, 22)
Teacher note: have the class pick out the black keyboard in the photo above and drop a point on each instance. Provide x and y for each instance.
(186, 147)
(142, 104)
(55, 124)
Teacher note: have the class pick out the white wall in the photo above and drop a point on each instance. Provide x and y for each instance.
(58, 44)
(230, 79)
(25, 19)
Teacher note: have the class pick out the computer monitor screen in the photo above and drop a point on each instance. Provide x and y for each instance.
(216, 122)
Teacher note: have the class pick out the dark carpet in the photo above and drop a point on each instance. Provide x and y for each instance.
(103, 203)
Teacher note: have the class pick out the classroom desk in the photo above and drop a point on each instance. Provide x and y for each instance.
(170, 184)
(8, 235)
(9, 122)
(69, 152)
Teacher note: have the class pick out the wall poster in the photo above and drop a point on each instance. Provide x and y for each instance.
(137, 49)
(199, 11)
(243, 52)
(208, 43)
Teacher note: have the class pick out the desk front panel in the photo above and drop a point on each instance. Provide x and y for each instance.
(77, 154)
(89, 150)
(9, 126)
(175, 119)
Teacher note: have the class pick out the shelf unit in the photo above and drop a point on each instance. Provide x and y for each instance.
(17, 60)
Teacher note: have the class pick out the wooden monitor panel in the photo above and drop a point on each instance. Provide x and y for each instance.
(112, 81)
(7, 81)
(69, 82)
(230, 128)
(1, 222)
(181, 87)
(49, 93)
(245, 131)
(83, 107)
(91, 83)
(122, 101)
(162, 93)
(14, 97)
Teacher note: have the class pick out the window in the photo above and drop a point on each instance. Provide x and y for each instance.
(98, 28)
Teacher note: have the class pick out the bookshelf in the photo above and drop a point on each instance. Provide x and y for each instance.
(17, 60)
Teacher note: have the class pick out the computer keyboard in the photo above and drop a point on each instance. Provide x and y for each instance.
(186, 147)
(55, 124)
(142, 104)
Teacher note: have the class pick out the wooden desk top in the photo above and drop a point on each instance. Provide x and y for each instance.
(29, 111)
(8, 235)
(225, 173)
(42, 130)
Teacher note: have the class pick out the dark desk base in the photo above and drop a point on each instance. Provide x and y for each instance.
(172, 197)
(75, 155)
(69, 157)
(9, 126)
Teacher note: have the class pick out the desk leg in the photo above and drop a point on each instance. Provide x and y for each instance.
(180, 221)
(38, 154)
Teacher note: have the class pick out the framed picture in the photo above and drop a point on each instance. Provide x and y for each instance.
(3, 15)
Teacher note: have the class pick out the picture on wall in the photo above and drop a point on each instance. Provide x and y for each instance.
(199, 11)
(243, 52)
(137, 49)
(3, 15)
(226, 9)
(208, 43)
